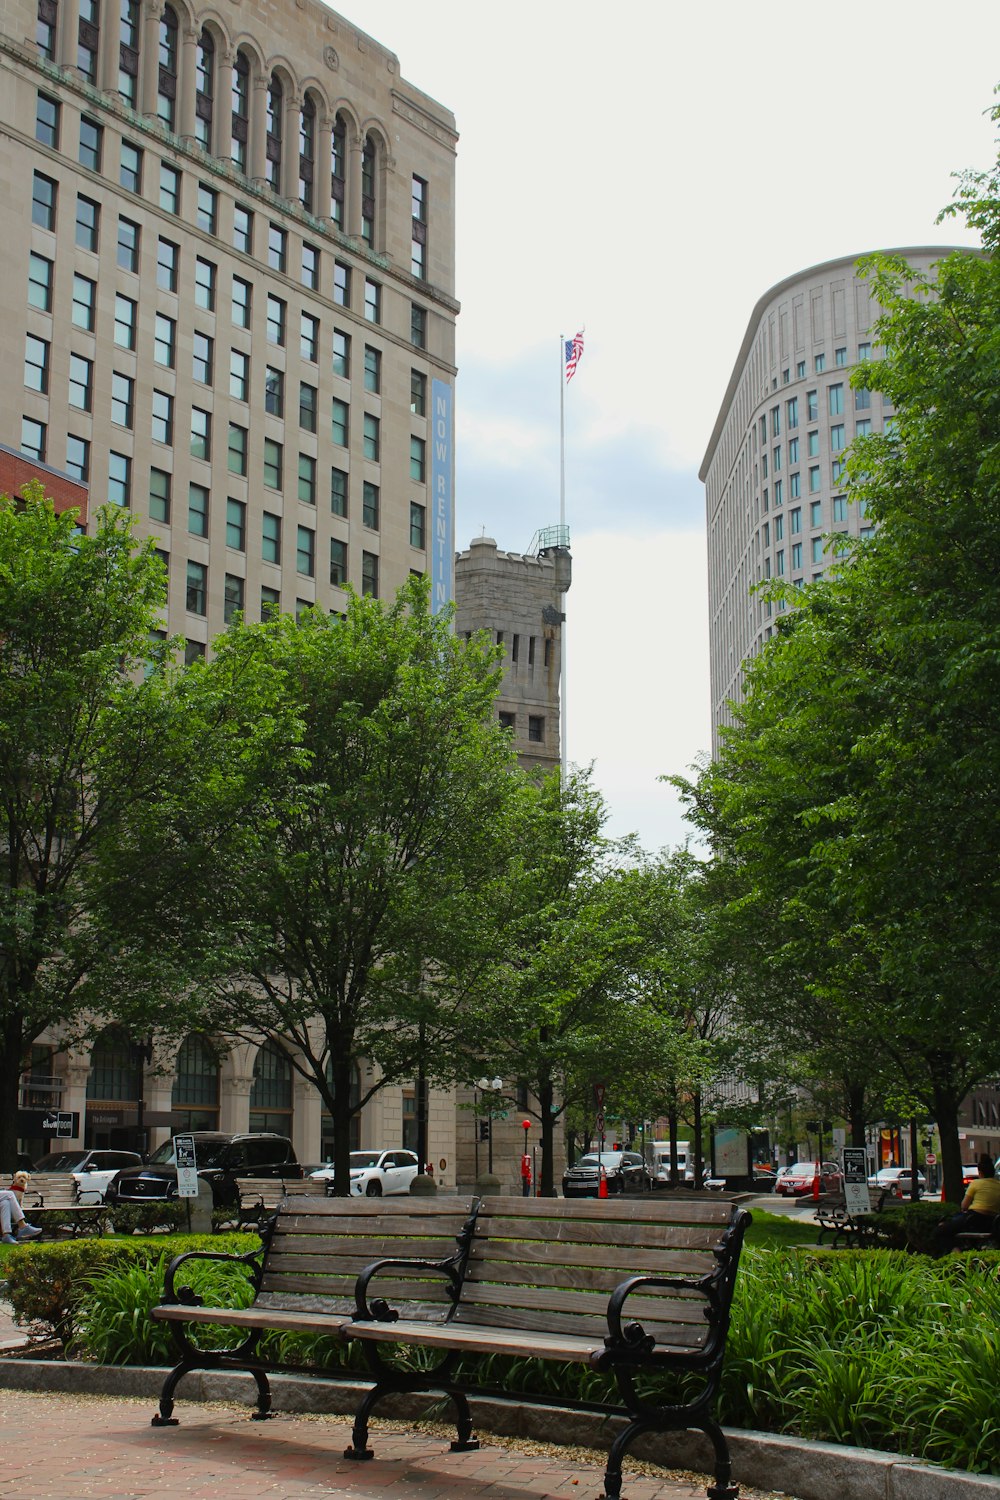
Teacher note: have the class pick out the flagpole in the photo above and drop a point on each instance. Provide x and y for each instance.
(562, 596)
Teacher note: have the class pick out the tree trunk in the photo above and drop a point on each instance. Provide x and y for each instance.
(856, 1112)
(699, 1176)
(342, 1114)
(546, 1095)
(946, 1107)
(672, 1134)
(11, 1060)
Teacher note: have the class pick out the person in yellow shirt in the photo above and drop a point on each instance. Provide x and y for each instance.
(979, 1212)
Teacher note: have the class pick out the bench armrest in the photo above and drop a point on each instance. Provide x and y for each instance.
(632, 1337)
(379, 1310)
(251, 1262)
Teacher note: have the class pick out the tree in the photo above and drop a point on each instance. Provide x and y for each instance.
(84, 741)
(346, 921)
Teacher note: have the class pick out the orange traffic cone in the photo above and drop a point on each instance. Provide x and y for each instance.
(816, 1182)
(602, 1186)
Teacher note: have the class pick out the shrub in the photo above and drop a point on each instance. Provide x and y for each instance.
(150, 1218)
(911, 1226)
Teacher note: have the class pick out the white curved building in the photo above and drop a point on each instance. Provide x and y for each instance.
(772, 469)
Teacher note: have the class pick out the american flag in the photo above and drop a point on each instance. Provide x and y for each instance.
(574, 354)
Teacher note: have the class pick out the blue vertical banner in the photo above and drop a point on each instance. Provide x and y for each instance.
(442, 499)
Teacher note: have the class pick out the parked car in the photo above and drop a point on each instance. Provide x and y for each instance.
(625, 1172)
(375, 1174)
(969, 1174)
(896, 1181)
(794, 1181)
(763, 1177)
(220, 1159)
(93, 1171)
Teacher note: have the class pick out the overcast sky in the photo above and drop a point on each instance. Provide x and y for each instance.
(647, 171)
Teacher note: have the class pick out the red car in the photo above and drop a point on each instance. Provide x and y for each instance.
(795, 1181)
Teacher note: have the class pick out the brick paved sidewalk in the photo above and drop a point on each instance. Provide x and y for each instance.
(59, 1447)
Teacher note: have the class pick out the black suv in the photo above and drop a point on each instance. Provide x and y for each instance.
(221, 1159)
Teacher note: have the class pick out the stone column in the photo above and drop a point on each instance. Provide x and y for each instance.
(187, 81)
(352, 217)
(74, 1098)
(321, 167)
(149, 57)
(107, 59)
(222, 104)
(257, 163)
(68, 33)
(291, 112)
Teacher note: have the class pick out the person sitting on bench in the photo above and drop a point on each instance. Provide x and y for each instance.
(978, 1213)
(12, 1214)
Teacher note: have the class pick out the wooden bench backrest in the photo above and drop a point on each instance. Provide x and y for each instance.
(318, 1247)
(50, 1190)
(550, 1266)
(269, 1192)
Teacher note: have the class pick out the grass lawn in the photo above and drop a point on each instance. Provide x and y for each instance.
(780, 1231)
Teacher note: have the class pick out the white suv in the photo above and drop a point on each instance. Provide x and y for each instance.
(92, 1170)
(374, 1173)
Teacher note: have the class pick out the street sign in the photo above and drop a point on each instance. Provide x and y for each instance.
(187, 1166)
(931, 1159)
(856, 1197)
(599, 1091)
(599, 1123)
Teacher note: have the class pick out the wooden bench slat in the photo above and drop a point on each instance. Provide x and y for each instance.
(664, 1208)
(255, 1317)
(665, 1307)
(575, 1265)
(651, 1235)
(375, 1247)
(382, 1286)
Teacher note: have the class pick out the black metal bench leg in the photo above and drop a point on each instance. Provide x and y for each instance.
(164, 1417)
(465, 1443)
(620, 1446)
(359, 1449)
(723, 1488)
(263, 1409)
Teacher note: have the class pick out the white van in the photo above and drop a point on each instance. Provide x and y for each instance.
(658, 1161)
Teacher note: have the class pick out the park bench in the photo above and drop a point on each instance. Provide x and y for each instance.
(259, 1197)
(859, 1231)
(52, 1201)
(629, 1288)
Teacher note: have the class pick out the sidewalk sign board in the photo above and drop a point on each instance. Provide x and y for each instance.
(856, 1197)
(187, 1166)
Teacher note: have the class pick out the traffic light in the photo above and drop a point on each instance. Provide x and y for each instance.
(484, 1130)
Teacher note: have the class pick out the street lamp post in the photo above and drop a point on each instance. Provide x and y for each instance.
(489, 1087)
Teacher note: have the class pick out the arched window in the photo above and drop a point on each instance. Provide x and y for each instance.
(166, 86)
(112, 1066)
(194, 1099)
(326, 1120)
(129, 21)
(307, 152)
(369, 167)
(204, 72)
(45, 28)
(241, 110)
(271, 1091)
(275, 106)
(89, 39)
(338, 150)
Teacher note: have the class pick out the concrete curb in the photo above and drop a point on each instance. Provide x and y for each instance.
(810, 1471)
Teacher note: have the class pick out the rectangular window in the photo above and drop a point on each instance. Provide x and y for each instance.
(536, 728)
(196, 597)
(167, 260)
(310, 266)
(767, 533)
(816, 546)
(33, 437)
(43, 203)
(840, 507)
(795, 519)
(812, 406)
(341, 284)
(122, 400)
(77, 457)
(91, 143)
(81, 382)
(202, 358)
(163, 418)
(275, 320)
(837, 437)
(119, 479)
(198, 510)
(794, 486)
(369, 506)
(239, 375)
(796, 556)
(128, 245)
(201, 433)
(40, 288)
(243, 229)
(308, 407)
(274, 392)
(236, 459)
(792, 410)
(840, 357)
(47, 121)
(36, 364)
(338, 492)
(800, 370)
(130, 168)
(814, 445)
(776, 459)
(342, 354)
(418, 227)
(270, 602)
(779, 562)
(270, 545)
(815, 512)
(273, 462)
(88, 224)
(418, 525)
(277, 247)
(779, 528)
(369, 574)
(307, 479)
(418, 326)
(125, 321)
(373, 370)
(778, 497)
(204, 284)
(232, 599)
(339, 428)
(308, 338)
(863, 427)
(236, 525)
(418, 460)
(206, 214)
(862, 399)
(170, 188)
(373, 301)
(793, 450)
(159, 496)
(836, 471)
(371, 442)
(241, 302)
(418, 393)
(775, 421)
(836, 399)
(305, 552)
(814, 479)
(84, 302)
(338, 562)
